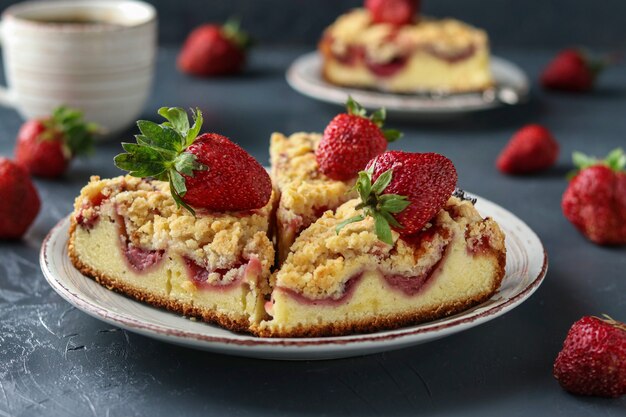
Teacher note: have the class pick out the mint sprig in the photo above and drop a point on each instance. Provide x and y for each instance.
(378, 118)
(160, 151)
(77, 134)
(375, 203)
(615, 160)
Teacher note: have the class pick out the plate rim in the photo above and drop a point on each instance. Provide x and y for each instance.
(299, 83)
(242, 341)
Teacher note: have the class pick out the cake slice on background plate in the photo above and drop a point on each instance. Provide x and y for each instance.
(401, 52)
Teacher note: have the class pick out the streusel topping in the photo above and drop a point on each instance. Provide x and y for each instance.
(304, 191)
(322, 261)
(152, 220)
(444, 35)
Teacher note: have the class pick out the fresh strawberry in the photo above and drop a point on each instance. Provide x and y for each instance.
(572, 70)
(396, 12)
(46, 146)
(350, 140)
(207, 171)
(212, 50)
(593, 358)
(595, 200)
(19, 201)
(531, 149)
(403, 191)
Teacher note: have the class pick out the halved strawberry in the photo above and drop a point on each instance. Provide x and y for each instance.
(207, 171)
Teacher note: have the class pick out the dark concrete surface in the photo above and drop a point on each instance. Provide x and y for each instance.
(57, 361)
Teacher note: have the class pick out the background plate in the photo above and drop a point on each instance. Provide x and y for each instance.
(526, 267)
(512, 87)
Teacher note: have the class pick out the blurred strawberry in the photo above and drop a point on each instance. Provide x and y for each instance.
(46, 146)
(19, 201)
(531, 149)
(396, 12)
(595, 199)
(213, 50)
(572, 70)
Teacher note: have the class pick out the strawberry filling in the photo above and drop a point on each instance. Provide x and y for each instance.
(138, 259)
(199, 274)
(478, 245)
(346, 294)
(388, 68)
(414, 284)
(452, 57)
(87, 218)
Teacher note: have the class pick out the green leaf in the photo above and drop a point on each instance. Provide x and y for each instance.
(232, 30)
(382, 228)
(583, 161)
(355, 108)
(392, 135)
(178, 182)
(382, 182)
(379, 116)
(393, 203)
(391, 220)
(344, 223)
(186, 163)
(616, 159)
(363, 185)
(178, 199)
(177, 118)
(140, 161)
(192, 134)
(158, 136)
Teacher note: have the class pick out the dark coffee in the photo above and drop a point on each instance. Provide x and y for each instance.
(75, 20)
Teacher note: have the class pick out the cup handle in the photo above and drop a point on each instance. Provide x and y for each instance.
(7, 99)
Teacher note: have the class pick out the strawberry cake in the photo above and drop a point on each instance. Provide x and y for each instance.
(128, 234)
(191, 229)
(397, 51)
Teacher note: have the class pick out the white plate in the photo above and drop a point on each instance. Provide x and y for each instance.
(525, 269)
(512, 87)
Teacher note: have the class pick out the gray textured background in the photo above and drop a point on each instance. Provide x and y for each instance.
(57, 361)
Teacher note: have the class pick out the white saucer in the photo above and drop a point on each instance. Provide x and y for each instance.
(512, 87)
(525, 270)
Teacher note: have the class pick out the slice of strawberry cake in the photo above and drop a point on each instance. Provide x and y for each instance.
(141, 237)
(405, 252)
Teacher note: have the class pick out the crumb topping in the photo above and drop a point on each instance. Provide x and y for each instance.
(444, 36)
(322, 261)
(304, 191)
(152, 221)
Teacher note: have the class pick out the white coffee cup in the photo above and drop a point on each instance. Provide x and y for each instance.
(97, 56)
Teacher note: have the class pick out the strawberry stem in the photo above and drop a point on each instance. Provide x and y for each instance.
(615, 160)
(76, 134)
(160, 151)
(376, 204)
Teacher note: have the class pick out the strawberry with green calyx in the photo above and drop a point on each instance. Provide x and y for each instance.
(595, 199)
(351, 139)
(403, 191)
(214, 50)
(207, 171)
(574, 70)
(45, 146)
